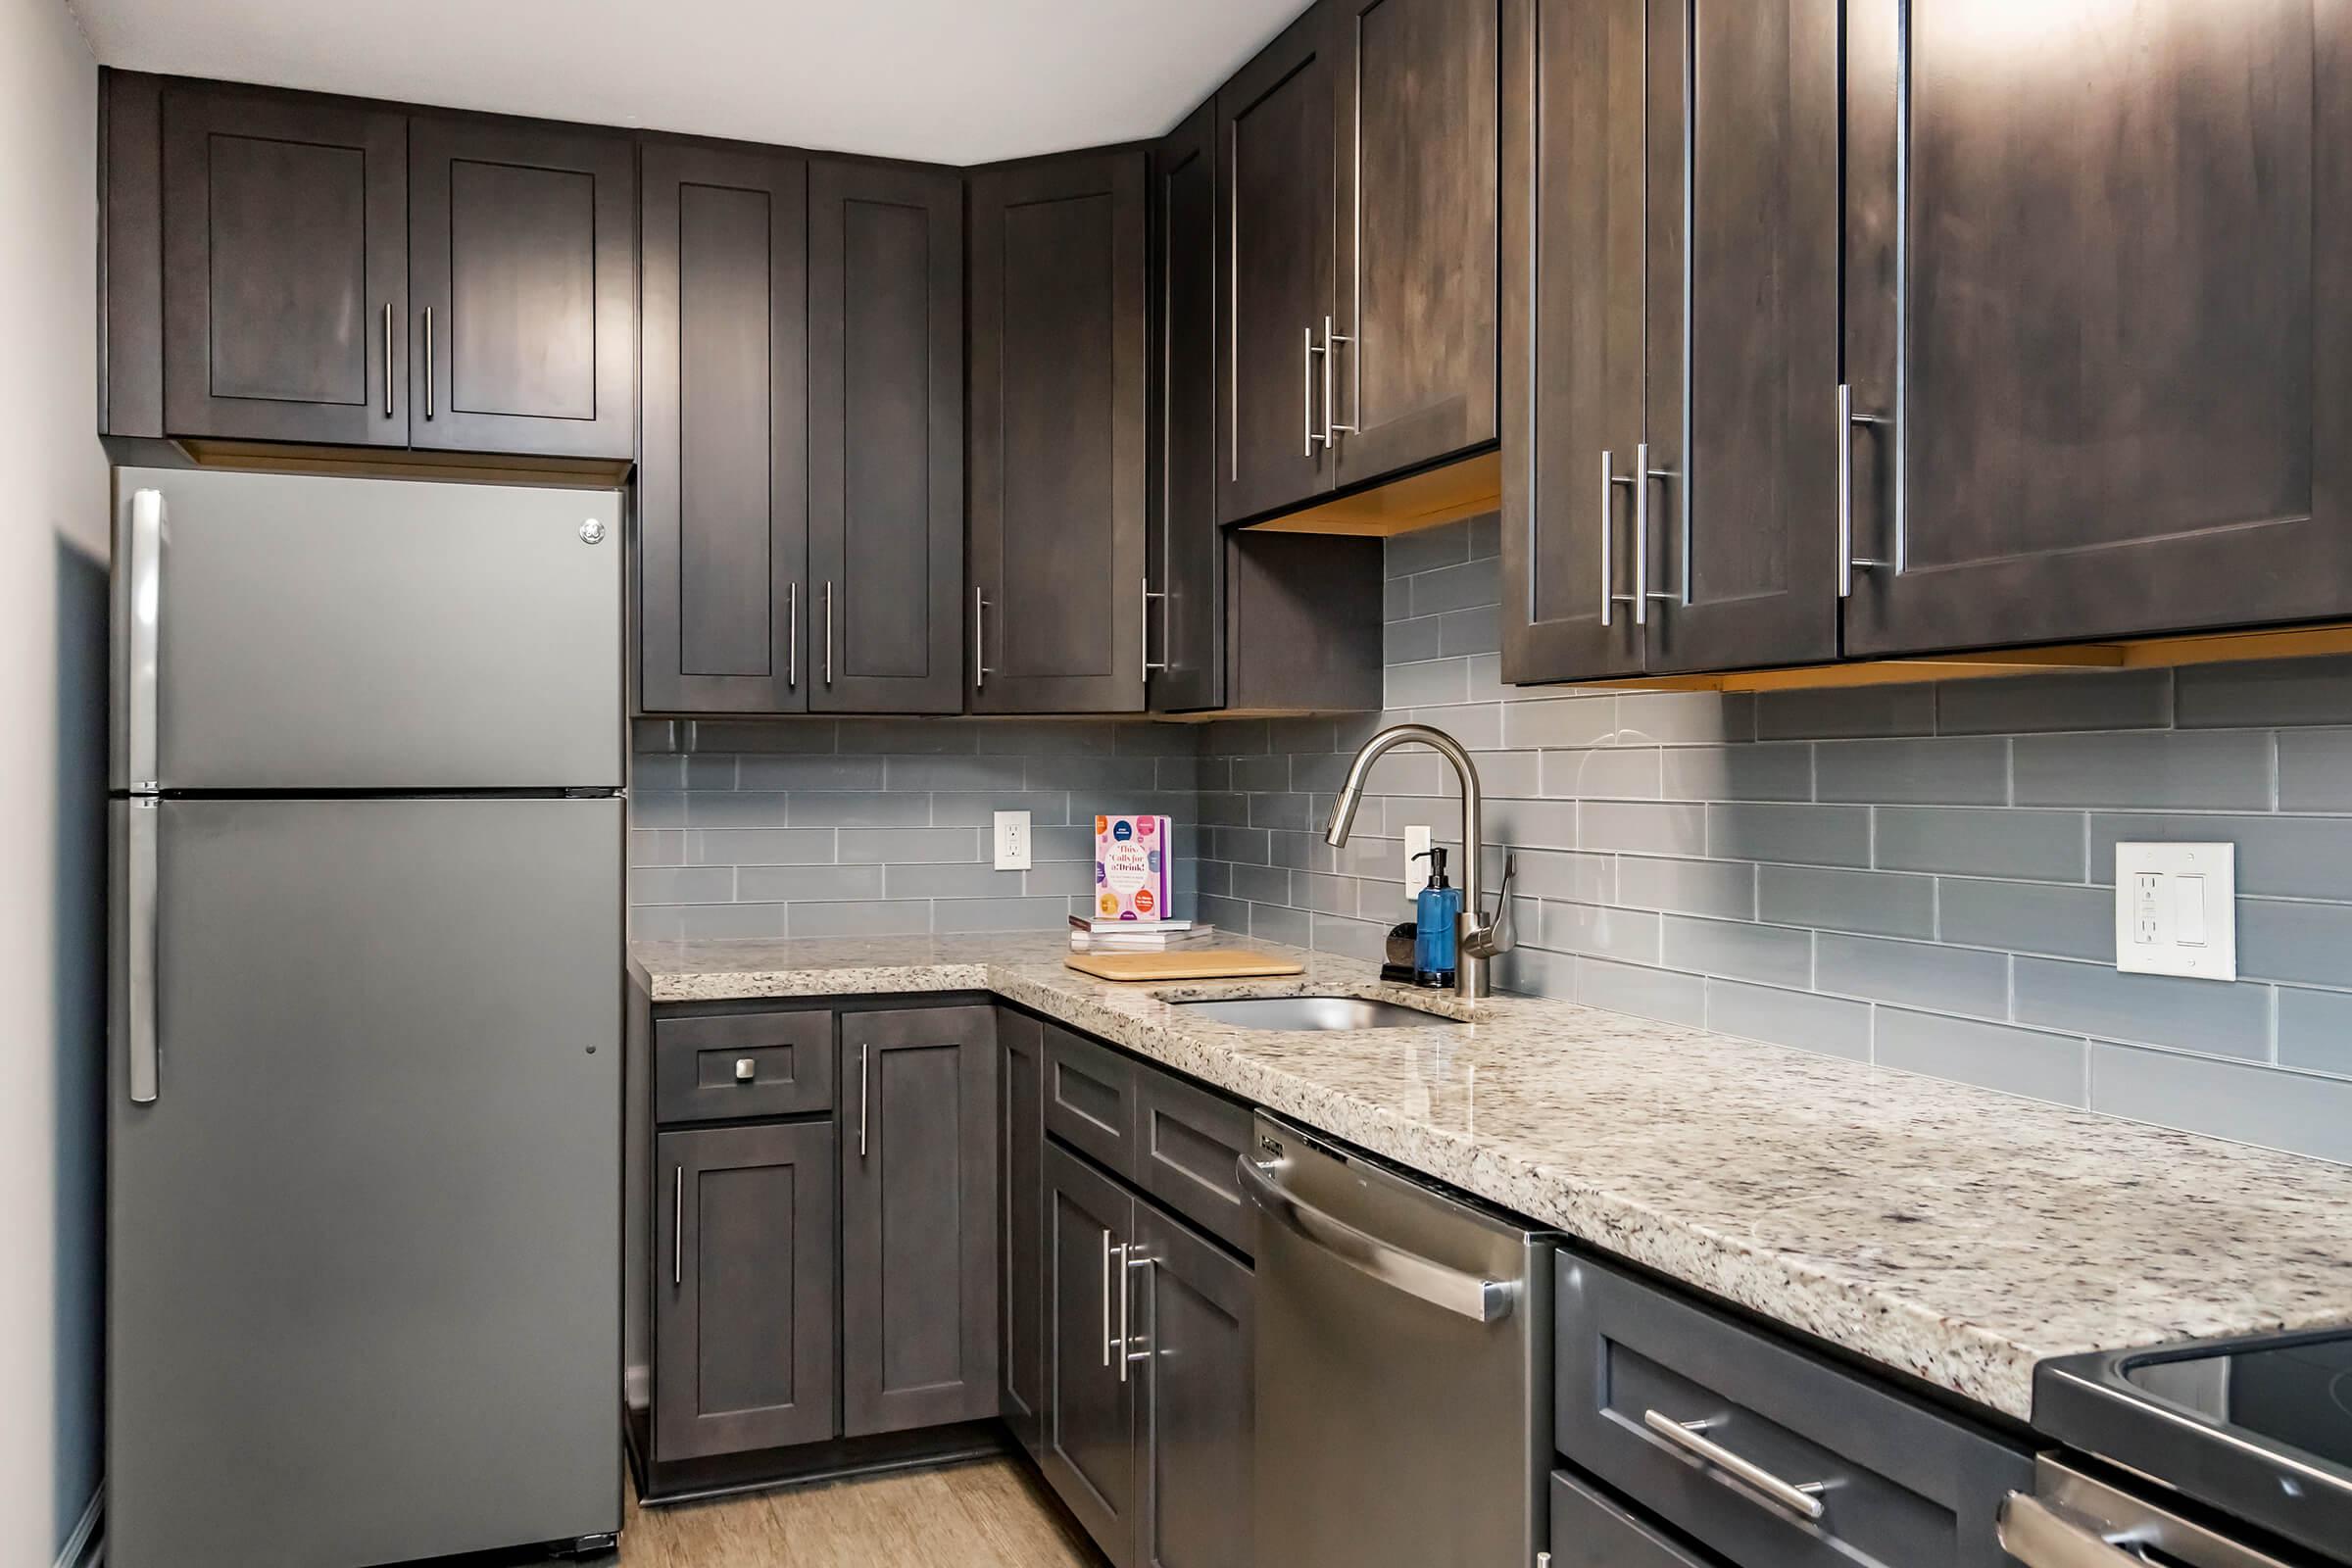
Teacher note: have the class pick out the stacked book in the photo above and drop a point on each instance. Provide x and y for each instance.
(1137, 936)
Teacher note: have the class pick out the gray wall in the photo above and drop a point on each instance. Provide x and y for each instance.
(53, 610)
(1915, 875)
(868, 827)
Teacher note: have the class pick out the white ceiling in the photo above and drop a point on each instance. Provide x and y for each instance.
(952, 81)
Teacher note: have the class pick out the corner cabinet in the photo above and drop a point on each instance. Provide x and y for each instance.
(1058, 341)
(1358, 215)
(283, 267)
(1237, 618)
(886, 437)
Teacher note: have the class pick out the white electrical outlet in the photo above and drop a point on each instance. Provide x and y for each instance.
(1012, 841)
(1416, 872)
(2175, 909)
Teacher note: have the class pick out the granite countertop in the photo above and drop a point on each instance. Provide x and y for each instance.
(1955, 1233)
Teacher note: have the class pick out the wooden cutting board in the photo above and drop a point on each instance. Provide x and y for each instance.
(1199, 963)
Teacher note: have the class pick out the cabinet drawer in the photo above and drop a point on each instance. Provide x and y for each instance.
(1589, 1531)
(1090, 1098)
(1186, 1142)
(701, 1072)
(1896, 1481)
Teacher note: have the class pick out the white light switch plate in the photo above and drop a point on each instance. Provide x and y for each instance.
(1012, 841)
(2175, 909)
(1416, 872)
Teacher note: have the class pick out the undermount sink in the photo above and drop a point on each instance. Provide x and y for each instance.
(1314, 1012)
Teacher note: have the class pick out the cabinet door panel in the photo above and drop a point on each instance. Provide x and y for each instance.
(2098, 291)
(1058, 485)
(1195, 1410)
(1185, 558)
(743, 1290)
(1020, 1069)
(918, 1245)
(1573, 298)
(1743, 332)
(1090, 1395)
(886, 438)
(284, 225)
(1419, 161)
(722, 478)
(523, 243)
(1274, 133)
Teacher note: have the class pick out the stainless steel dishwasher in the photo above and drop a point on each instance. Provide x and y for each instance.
(1403, 1366)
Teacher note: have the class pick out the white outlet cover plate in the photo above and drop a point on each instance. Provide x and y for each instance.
(1013, 851)
(2163, 894)
(1416, 872)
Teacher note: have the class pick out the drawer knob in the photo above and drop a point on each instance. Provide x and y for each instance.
(746, 1069)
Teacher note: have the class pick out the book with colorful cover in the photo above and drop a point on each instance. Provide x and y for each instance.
(1131, 867)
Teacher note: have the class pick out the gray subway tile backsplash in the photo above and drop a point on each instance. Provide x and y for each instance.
(1918, 875)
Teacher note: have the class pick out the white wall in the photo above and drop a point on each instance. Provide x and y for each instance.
(53, 548)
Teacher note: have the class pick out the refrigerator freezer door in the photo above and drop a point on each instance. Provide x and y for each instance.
(365, 634)
(365, 1245)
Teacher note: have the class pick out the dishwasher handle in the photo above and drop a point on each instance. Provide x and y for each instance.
(1470, 1295)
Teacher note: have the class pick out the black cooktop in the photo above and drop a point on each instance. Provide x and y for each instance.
(2260, 1429)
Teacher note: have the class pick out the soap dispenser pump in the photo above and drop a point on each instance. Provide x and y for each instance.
(1436, 924)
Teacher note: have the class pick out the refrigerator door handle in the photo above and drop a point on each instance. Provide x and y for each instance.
(142, 770)
(143, 820)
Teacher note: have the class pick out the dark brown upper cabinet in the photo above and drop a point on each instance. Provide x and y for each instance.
(886, 438)
(1574, 159)
(722, 476)
(2097, 302)
(1274, 153)
(1412, 346)
(287, 267)
(1059, 335)
(1185, 555)
(918, 1218)
(1743, 329)
(1252, 620)
(1669, 321)
(1358, 291)
(522, 244)
(285, 277)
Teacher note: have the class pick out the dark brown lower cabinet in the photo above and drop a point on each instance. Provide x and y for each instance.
(1090, 1403)
(1192, 1329)
(918, 1230)
(743, 1293)
(1020, 1084)
(1148, 1414)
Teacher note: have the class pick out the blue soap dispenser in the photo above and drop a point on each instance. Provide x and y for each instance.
(1436, 924)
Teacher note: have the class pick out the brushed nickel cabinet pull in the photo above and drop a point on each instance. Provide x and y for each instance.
(677, 1226)
(1848, 420)
(792, 636)
(1798, 1497)
(387, 358)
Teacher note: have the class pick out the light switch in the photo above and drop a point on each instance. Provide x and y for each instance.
(2175, 909)
(2189, 908)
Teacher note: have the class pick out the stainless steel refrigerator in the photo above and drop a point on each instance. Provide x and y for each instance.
(364, 1200)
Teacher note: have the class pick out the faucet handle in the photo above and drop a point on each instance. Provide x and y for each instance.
(1490, 939)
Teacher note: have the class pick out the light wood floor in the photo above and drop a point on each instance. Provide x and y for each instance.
(989, 1514)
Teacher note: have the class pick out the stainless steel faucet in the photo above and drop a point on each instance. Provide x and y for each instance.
(1481, 939)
